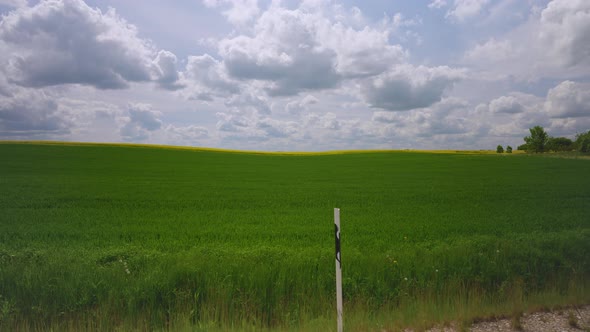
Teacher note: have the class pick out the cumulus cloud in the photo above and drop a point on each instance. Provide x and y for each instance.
(448, 117)
(464, 9)
(312, 131)
(207, 78)
(275, 128)
(248, 128)
(13, 3)
(298, 106)
(437, 4)
(568, 100)
(506, 104)
(565, 30)
(407, 87)
(248, 102)
(239, 12)
(34, 114)
(283, 52)
(92, 119)
(449, 120)
(228, 122)
(363, 52)
(509, 117)
(385, 117)
(141, 122)
(492, 51)
(5, 88)
(565, 110)
(553, 42)
(304, 49)
(325, 121)
(165, 72)
(67, 42)
(569, 126)
(186, 134)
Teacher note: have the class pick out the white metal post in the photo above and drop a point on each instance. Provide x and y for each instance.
(338, 268)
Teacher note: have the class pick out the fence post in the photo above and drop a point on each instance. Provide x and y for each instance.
(338, 268)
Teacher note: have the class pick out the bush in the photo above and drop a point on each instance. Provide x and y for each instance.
(508, 149)
(499, 149)
(583, 142)
(559, 144)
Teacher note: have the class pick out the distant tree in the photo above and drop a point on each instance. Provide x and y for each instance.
(499, 149)
(508, 149)
(522, 147)
(583, 142)
(559, 144)
(537, 141)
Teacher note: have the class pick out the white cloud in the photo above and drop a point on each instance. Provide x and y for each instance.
(311, 131)
(565, 31)
(448, 117)
(569, 126)
(568, 100)
(228, 122)
(239, 12)
(14, 3)
(324, 121)
(553, 42)
(449, 120)
(437, 4)
(320, 131)
(466, 9)
(186, 135)
(283, 52)
(386, 117)
(563, 112)
(252, 130)
(492, 51)
(92, 119)
(299, 106)
(32, 114)
(141, 122)
(506, 104)
(6, 89)
(407, 87)
(276, 128)
(363, 52)
(206, 78)
(66, 42)
(164, 66)
(249, 102)
(304, 49)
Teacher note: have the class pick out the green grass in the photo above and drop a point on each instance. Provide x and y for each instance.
(133, 237)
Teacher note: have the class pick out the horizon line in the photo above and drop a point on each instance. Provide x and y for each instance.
(203, 148)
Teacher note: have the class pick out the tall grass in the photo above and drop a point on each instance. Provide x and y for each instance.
(104, 237)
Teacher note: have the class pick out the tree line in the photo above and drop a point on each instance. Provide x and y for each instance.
(539, 141)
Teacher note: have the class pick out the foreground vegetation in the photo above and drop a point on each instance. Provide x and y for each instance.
(113, 237)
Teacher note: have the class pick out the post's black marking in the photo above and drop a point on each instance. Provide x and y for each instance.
(337, 237)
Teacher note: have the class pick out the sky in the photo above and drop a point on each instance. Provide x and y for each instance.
(289, 75)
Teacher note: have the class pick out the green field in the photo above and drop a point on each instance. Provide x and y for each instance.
(100, 237)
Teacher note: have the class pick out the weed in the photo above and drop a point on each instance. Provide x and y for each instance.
(572, 320)
(515, 321)
(6, 309)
